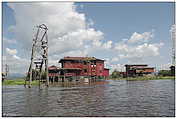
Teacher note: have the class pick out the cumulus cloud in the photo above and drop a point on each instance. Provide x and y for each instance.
(67, 28)
(141, 48)
(144, 37)
(16, 63)
(107, 45)
(11, 51)
(77, 40)
(118, 67)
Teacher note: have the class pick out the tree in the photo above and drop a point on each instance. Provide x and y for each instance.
(115, 74)
(164, 73)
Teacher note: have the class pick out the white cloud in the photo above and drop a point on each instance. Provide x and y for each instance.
(115, 59)
(107, 45)
(173, 28)
(138, 47)
(68, 29)
(16, 64)
(76, 40)
(16, 57)
(144, 37)
(122, 47)
(11, 51)
(118, 67)
(138, 51)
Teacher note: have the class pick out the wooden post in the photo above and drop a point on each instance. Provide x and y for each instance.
(47, 71)
(64, 76)
(30, 79)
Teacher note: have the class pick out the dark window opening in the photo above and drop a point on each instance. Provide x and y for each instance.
(85, 70)
(85, 62)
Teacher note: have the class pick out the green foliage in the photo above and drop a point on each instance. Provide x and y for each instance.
(100, 77)
(35, 73)
(164, 73)
(18, 82)
(115, 74)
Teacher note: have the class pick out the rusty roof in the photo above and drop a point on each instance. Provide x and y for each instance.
(80, 58)
(58, 68)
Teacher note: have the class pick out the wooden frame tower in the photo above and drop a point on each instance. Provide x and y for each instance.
(38, 69)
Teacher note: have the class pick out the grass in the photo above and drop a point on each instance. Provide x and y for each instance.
(145, 78)
(17, 82)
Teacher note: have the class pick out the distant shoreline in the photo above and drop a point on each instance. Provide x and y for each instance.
(145, 78)
(21, 81)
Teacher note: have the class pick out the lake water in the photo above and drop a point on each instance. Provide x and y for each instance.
(112, 98)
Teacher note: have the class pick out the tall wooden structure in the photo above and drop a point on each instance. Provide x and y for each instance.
(38, 69)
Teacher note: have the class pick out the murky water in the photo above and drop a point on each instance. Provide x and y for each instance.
(114, 98)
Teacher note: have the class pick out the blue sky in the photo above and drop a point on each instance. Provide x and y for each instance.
(119, 32)
(120, 20)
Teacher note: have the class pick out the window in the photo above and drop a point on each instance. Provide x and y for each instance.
(85, 62)
(85, 70)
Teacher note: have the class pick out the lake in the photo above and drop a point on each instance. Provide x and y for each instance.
(111, 98)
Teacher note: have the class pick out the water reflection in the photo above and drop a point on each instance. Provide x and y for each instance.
(113, 98)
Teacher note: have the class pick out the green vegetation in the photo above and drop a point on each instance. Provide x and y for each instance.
(145, 78)
(115, 74)
(164, 73)
(17, 82)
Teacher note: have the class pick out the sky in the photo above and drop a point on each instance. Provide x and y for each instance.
(120, 33)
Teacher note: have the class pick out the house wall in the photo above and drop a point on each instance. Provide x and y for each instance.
(149, 70)
(88, 68)
(99, 68)
(131, 69)
(106, 72)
